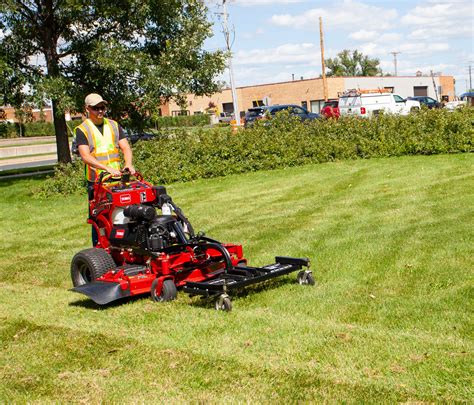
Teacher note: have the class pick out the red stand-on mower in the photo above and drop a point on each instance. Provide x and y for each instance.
(141, 251)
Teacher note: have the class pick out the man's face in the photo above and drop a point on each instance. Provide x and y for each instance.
(96, 112)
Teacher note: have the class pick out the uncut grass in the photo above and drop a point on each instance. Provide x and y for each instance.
(391, 245)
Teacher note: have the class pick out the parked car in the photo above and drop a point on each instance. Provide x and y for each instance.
(427, 101)
(267, 112)
(133, 136)
(225, 117)
(330, 109)
(366, 103)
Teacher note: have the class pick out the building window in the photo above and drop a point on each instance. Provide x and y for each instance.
(258, 103)
(180, 112)
(304, 104)
(420, 91)
(390, 89)
(316, 106)
(228, 107)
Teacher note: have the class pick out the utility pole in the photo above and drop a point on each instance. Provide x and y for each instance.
(235, 101)
(323, 66)
(434, 85)
(395, 61)
(470, 79)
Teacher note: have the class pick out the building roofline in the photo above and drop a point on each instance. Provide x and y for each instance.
(333, 77)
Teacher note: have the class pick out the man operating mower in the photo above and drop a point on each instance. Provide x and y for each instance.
(98, 140)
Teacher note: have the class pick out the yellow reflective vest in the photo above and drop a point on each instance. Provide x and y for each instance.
(104, 147)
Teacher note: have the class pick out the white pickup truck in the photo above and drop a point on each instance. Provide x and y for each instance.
(367, 103)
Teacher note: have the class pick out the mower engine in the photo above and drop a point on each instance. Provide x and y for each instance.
(147, 245)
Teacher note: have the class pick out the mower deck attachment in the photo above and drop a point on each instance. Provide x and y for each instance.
(102, 292)
(242, 276)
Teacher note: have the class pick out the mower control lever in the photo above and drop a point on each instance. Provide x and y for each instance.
(124, 176)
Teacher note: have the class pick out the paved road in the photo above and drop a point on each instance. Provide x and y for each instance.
(27, 164)
(19, 153)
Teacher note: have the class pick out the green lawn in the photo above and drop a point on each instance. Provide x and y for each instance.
(391, 242)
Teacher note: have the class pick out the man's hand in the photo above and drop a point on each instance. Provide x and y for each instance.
(113, 172)
(131, 168)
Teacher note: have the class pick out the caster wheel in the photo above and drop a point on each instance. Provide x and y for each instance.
(305, 278)
(224, 303)
(168, 291)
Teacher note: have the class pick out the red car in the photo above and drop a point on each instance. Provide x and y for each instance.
(330, 109)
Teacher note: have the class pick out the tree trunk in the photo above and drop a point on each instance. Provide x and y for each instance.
(60, 129)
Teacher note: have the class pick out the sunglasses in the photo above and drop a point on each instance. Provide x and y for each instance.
(100, 108)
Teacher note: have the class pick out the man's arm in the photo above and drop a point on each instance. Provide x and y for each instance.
(92, 161)
(127, 154)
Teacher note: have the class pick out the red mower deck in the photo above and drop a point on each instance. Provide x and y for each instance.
(140, 251)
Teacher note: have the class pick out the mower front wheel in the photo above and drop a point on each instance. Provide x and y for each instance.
(306, 278)
(168, 291)
(90, 264)
(224, 303)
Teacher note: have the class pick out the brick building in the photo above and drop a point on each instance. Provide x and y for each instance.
(36, 114)
(309, 93)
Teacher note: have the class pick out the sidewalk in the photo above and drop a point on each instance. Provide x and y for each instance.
(27, 140)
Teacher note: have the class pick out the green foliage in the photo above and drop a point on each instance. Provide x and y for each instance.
(29, 129)
(198, 120)
(353, 63)
(135, 53)
(184, 155)
(68, 179)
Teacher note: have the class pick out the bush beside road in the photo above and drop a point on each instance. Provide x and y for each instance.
(184, 155)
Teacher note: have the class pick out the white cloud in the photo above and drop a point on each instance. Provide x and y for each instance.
(252, 35)
(440, 19)
(294, 54)
(347, 15)
(459, 31)
(263, 2)
(363, 35)
(249, 3)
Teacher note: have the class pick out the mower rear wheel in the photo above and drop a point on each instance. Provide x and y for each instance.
(168, 291)
(224, 303)
(90, 264)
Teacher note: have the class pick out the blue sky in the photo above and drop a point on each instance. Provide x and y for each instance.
(275, 39)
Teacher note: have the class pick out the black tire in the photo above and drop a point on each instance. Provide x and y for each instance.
(90, 264)
(305, 278)
(168, 291)
(224, 304)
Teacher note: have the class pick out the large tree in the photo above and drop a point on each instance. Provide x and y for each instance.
(135, 53)
(352, 63)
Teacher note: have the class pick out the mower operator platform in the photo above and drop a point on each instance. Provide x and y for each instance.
(141, 250)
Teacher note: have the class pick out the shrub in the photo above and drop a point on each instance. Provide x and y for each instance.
(67, 179)
(185, 155)
(199, 120)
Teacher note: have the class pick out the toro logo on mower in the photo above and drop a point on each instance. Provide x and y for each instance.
(125, 198)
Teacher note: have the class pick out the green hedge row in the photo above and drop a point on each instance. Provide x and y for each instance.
(284, 142)
(199, 120)
(30, 129)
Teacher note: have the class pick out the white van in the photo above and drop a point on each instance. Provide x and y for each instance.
(366, 103)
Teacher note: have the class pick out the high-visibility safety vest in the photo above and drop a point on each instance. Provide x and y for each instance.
(104, 147)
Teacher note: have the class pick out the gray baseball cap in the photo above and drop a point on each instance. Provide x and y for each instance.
(93, 99)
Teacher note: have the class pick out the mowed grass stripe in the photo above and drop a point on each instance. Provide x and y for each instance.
(391, 243)
(83, 355)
